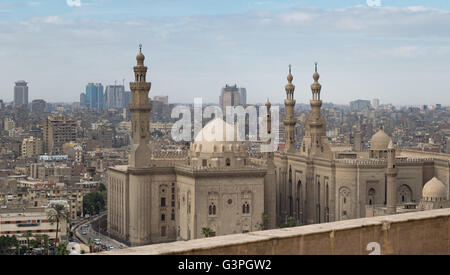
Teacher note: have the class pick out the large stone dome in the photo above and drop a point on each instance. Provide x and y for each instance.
(380, 141)
(218, 136)
(434, 190)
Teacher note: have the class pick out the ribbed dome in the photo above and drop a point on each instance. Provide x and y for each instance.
(434, 189)
(380, 141)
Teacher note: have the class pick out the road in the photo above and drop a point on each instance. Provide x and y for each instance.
(90, 234)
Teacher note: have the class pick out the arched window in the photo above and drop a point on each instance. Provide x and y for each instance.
(245, 208)
(228, 162)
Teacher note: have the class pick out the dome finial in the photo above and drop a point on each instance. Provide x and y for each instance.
(140, 48)
(290, 77)
(316, 66)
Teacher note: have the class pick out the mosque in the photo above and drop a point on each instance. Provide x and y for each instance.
(217, 188)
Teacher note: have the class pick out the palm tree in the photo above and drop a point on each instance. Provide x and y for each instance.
(57, 214)
(45, 238)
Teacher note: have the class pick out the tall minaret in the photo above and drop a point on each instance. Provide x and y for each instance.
(140, 115)
(315, 141)
(270, 188)
(289, 119)
(391, 173)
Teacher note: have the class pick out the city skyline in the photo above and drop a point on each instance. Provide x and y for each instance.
(392, 52)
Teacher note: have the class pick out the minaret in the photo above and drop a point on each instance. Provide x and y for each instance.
(140, 115)
(391, 173)
(289, 119)
(269, 155)
(270, 178)
(315, 141)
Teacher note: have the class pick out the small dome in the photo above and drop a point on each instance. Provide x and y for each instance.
(380, 141)
(434, 189)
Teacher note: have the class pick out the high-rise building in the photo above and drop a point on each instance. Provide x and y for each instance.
(38, 106)
(114, 96)
(375, 103)
(359, 105)
(229, 96)
(94, 96)
(160, 98)
(126, 99)
(243, 93)
(57, 131)
(21, 93)
(82, 100)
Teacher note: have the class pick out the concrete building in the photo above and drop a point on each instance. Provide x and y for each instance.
(38, 106)
(58, 130)
(17, 222)
(32, 147)
(359, 105)
(21, 93)
(229, 96)
(243, 93)
(161, 98)
(114, 96)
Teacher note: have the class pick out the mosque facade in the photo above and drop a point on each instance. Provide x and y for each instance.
(217, 189)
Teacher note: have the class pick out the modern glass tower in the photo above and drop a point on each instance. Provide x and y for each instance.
(94, 96)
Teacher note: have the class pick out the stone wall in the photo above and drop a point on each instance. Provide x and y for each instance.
(426, 232)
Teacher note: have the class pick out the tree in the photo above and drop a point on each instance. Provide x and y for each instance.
(291, 222)
(28, 235)
(263, 224)
(57, 214)
(93, 203)
(206, 231)
(45, 243)
(61, 249)
(101, 187)
(7, 244)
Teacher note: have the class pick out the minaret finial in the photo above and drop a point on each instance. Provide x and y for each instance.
(316, 66)
(140, 48)
(290, 66)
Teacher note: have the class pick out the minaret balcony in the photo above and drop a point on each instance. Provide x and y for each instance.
(140, 86)
(140, 107)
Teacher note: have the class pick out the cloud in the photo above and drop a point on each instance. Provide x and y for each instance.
(195, 55)
(73, 3)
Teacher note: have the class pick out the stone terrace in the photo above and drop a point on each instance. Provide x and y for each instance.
(426, 232)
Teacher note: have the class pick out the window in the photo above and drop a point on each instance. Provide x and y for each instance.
(163, 231)
(204, 162)
(212, 209)
(172, 216)
(163, 201)
(228, 162)
(163, 217)
(246, 208)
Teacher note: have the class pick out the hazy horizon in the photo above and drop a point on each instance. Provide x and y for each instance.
(398, 52)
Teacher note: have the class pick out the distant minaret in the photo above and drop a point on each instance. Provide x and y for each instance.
(391, 173)
(289, 119)
(269, 155)
(270, 179)
(140, 115)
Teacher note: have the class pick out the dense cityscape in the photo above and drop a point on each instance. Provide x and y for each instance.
(238, 128)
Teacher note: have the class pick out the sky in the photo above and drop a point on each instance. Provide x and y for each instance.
(397, 50)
